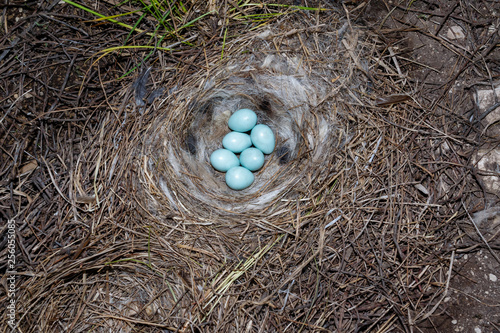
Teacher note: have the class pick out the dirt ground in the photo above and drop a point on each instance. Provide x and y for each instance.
(451, 47)
(472, 302)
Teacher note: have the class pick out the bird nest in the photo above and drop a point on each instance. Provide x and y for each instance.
(291, 101)
(350, 225)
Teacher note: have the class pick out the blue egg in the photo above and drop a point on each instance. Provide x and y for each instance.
(223, 160)
(239, 178)
(242, 120)
(236, 141)
(263, 138)
(252, 159)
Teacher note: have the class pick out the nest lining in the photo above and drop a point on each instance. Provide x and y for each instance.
(284, 96)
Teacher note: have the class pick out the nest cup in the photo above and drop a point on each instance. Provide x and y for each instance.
(283, 96)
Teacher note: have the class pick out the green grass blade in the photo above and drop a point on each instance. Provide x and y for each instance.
(283, 6)
(104, 17)
(115, 16)
(195, 20)
(124, 47)
(134, 28)
(223, 44)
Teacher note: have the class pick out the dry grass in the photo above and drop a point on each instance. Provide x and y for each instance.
(365, 239)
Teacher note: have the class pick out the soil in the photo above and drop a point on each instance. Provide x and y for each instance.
(472, 303)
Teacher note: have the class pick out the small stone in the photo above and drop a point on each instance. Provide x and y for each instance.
(477, 330)
(454, 321)
(492, 29)
(265, 34)
(151, 309)
(488, 161)
(447, 299)
(455, 32)
(493, 278)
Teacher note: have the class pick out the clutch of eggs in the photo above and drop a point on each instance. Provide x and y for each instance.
(238, 142)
